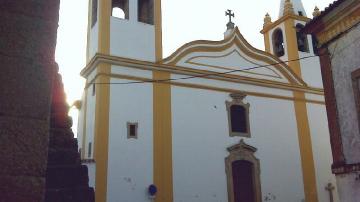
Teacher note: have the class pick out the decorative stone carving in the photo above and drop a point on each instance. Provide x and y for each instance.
(288, 8)
(267, 20)
(243, 151)
(316, 12)
(238, 100)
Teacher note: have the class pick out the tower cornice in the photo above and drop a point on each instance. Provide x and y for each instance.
(283, 19)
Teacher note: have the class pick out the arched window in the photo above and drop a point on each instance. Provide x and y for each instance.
(146, 11)
(302, 41)
(238, 116)
(278, 43)
(120, 9)
(243, 174)
(118, 12)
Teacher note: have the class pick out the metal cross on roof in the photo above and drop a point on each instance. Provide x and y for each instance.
(230, 14)
(230, 24)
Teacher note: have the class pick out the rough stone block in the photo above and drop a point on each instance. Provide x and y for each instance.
(23, 144)
(28, 37)
(21, 189)
(66, 176)
(25, 88)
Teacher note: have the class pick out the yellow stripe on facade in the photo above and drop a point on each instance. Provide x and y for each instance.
(304, 134)
(101, 136)
(163, 171)
(267, 42)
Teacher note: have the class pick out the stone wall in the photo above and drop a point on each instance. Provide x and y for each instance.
(28, 40)
(344, 54)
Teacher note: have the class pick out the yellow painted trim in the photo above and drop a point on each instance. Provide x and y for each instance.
(218, 89)
(267, 42)
(238, 40)
(84, 107)
(162, 131)
(163, 171)
(101, 136)
(304, 134)
(291, 47)
(283, 19)
(305, 144)
(194, 72)
(188, 61)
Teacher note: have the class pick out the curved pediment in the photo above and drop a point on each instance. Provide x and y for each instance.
(233, 56)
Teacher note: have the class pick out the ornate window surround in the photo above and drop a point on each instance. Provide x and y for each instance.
(242, 151)
(238, 100)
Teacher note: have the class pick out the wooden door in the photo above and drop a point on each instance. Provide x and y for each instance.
(243, 181)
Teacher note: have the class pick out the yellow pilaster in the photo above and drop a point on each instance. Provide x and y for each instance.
(304, 134)
(101, 144)
(163, 176)
(267, 42)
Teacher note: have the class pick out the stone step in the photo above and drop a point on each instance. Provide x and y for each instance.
(63, 156)
(81, 194)
(58, 177)
(60, 120)
(62, 138)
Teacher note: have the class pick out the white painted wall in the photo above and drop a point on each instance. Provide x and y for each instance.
(131, 39)
(90, 123)
(94, 40)
(81, 122)
(320, 138)
(130, 165)
(200, 139)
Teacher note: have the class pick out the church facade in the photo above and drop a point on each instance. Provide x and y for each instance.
(214, 121)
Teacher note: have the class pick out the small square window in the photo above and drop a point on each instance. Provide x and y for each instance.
(132, 130)
(93, 89)
(89, 150)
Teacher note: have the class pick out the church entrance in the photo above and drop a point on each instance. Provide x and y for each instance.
(243, 181)
(243, 174)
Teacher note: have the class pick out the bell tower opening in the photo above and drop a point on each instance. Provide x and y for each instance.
(278, 43)
(146, 11)
(302, 41)
(120, 9)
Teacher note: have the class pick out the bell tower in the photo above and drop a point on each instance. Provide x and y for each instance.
(125, 28)
(283, 38)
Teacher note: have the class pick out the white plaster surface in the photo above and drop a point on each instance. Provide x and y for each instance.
(90, 123)
(130, 165)
(320, 138)
(94, 40)
(349, 187)
(132, 39)
(233, 86)
(200, 140)
(81, 122)
(345, 59)
(121, 70)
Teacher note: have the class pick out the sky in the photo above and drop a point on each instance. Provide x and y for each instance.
(183, 21)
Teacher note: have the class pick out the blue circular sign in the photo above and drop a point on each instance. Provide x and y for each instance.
(152, 190)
